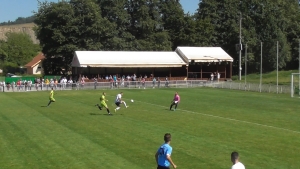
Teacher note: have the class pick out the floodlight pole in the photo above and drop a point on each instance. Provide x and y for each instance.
(277, 68)
(245, 65)
(299, 70)
(260, 81)
(240, 51)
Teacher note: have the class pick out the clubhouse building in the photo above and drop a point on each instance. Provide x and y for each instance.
(184, 63)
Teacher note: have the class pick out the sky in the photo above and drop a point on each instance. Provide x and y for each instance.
(12, 9)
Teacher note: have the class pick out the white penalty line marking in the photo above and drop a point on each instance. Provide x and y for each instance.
(226, 118)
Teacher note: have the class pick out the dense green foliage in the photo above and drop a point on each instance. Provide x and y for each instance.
(265, 21)
(152, 25)
(73, 133)
(17, 50)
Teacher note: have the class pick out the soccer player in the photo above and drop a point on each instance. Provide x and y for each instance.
(163, 154)
(235, 161)
(103, 103)
(119, 101)
(51, 98)
(175, 101)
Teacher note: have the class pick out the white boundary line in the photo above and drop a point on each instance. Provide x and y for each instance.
(226, 118)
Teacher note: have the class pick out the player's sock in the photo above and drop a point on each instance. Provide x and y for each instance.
(124, 104)
(171, 106)
(49, 103)
(175, 106)
(99, 107)
(117, 108)
(108, 111)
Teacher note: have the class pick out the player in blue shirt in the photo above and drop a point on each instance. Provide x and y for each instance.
(163, 154)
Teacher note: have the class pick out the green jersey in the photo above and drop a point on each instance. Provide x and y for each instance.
(51, 94)
(102, 99)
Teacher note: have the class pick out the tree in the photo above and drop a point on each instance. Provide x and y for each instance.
(115, 12)
(18, 49)
(67, 26)
(173, 20)
(146, 25)
(266, 21)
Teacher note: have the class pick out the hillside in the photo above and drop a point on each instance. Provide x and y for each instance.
(18, 28)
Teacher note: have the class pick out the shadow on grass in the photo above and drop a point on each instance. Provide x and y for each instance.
(43, 106)
(105, 114)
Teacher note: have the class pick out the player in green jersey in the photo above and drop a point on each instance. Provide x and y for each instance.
(51, 98)
(103, 103)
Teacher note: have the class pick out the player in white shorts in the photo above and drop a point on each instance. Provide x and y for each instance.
(119, 101)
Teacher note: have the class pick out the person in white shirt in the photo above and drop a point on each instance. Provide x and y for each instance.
(29, 84)
(235, 161)
(70, 83)
(119, 101)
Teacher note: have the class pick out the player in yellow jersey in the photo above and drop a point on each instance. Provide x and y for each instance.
(103, 103)
(51, 98)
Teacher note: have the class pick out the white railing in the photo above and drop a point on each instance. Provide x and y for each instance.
(148, 84)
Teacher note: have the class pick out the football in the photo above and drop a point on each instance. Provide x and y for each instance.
(132, 100)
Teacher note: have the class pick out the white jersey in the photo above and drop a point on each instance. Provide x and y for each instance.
(118, 98)
(238, 165)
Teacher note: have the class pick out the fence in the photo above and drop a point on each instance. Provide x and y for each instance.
(266, 88)
(163, 84)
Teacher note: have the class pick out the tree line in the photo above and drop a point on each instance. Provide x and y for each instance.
(19, 20)
(162, 25)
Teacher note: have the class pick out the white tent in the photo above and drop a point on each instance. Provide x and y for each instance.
(126, 59)
(203, 54)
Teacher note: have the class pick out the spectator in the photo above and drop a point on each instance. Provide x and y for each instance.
(153, 82)
(158, 82)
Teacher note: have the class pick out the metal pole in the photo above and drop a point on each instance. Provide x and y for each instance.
(277, 67)
(299, 71)
(245, 65)
(260, 66)
(240, 52)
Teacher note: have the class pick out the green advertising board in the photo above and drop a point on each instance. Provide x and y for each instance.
(15, 79)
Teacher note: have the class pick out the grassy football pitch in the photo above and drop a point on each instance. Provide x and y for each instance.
(207, 126)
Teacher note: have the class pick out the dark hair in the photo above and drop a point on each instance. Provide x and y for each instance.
(234, 155)
(167, 137)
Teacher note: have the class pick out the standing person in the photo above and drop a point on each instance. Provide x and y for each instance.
(175, 101)
(51, 98)
(158, 83)
(163, 154)
(167, 82)
(236, 161)
(153, 82)
(103, 103)
(119, 101)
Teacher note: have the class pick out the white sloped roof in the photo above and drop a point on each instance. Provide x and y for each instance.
(203, 54)
(126, 59)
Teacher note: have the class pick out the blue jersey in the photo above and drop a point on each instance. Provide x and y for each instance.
(163, 151)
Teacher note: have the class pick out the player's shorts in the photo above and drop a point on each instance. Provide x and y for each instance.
(161, 167)
(52, 99)
(176, 102)
(103, 105)
(118, 103)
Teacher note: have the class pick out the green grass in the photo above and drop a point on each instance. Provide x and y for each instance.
(284, 77)
(208, 125)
